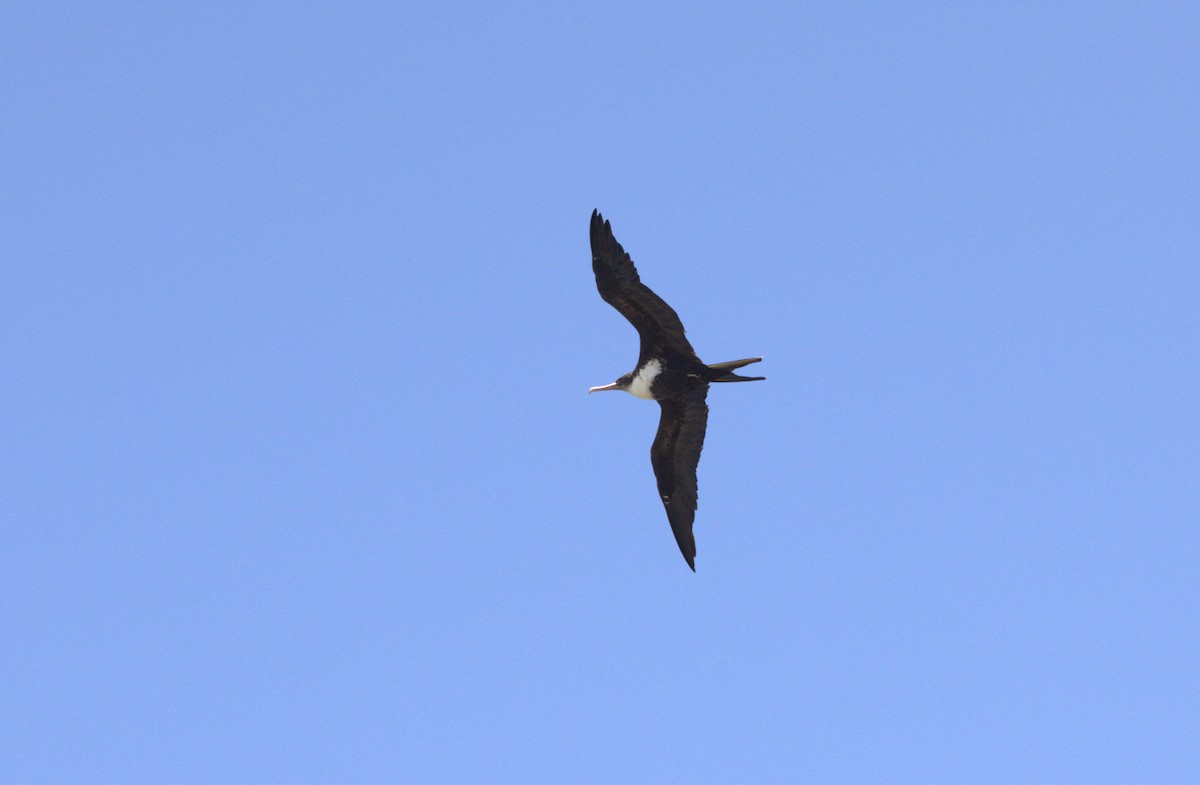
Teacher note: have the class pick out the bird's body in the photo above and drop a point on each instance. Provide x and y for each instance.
(668, 371)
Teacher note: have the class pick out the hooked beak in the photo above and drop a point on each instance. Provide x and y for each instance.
(612, 386)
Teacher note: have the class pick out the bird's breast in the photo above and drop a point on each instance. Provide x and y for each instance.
(644, 379)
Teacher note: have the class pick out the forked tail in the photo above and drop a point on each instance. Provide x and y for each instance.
(724, 372)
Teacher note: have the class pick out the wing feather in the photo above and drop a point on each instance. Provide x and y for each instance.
(675, 455)
(621, 287)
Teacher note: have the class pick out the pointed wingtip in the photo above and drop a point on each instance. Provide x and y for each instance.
(600, 233)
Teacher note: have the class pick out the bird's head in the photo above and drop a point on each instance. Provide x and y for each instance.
(620, 384)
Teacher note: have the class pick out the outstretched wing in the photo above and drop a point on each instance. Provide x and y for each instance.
(675, 454)
(619, 285)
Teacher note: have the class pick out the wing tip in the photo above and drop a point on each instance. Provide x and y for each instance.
(689, 553)
(600, 227)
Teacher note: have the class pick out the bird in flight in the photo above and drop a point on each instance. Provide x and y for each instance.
(668, 371)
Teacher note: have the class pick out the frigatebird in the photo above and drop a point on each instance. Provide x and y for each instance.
(668, 371)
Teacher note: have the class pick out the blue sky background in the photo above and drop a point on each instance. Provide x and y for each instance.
(300, 481)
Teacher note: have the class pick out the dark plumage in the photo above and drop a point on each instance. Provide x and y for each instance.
(667, 371)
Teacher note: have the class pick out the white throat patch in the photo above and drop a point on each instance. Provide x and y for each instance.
(640, 386)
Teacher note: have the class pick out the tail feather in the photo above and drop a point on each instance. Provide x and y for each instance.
(730, 367)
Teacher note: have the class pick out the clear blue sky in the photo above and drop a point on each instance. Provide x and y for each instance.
(300, 482)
